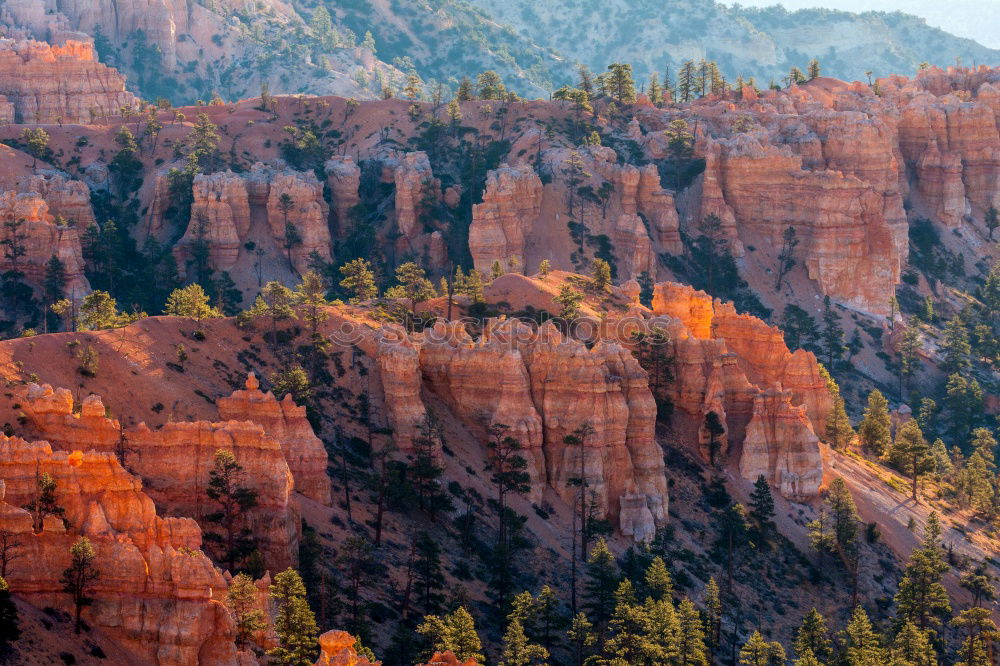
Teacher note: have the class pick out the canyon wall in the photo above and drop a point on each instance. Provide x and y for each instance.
(269, 439)
(154, 594)
(59, 84)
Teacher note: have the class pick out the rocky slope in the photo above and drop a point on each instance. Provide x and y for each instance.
(744, 41)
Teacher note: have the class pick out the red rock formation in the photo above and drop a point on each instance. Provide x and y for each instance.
(344, 179)
(49, 84)
(448, 658)
(399, 368)
(337, 649)
(851, 232)
(6, 111)
(309, 212)
(285, 422)
(220, 217)
(549, 386)
(415, 182)
(66, 198)
(154, 593)
(42, 238)
(222, 213)
(175, 461)
(771, 401)
(511, 203)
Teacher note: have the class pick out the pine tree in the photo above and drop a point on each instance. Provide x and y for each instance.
(814, 69)
(813, 637)
(629, 627)
(838, 426)
(862, 645)
(581, 637)
(456, 632)
(980, 634)
(713, 618)
(956, 350)
(45, 502)
(518, 650)
(241, 599)
(759, 652)
(600, 275)
(226, 488)
(427, 574)
(912, 646)
(992, 220)
(359, 280)
(190, 301)
(874, 429)
(686, 84)
(832, 335)
(78, 579)
(921, 598)
(620, 82)
(599, 588)
(691, 649)
(662, 632)
(658, 580)
(762, 503)
(294, 622)
(911, 454)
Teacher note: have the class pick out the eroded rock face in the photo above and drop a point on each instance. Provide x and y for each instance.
(337, 649)
(851, 232)
(399, 367)
(226, 206)
(415, 183)
(549, 386)
(770, 401)
(220, 217)
(64, 84)
(285, 422)
(154, 593)
(343, 177)
(448, 658)
(175, 461)
(511, 204)
(42, 237)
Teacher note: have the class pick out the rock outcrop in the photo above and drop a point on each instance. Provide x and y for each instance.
(59, 84)
(227, 205)
(550, 386)
(41, 237)
(511, 204)
(448, 658)
(285, 422)
(175, 461)
(771, 402)
(155, 589)
(343, 177)
(337, 649)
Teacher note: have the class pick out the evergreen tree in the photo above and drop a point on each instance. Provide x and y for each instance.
(620, 82)
(226, 488)
(427, 574)
(55, 280)
(662, 630)
(874, 429)
(814, 69)
(759, 652)
(581, 638)
(964, 400)
(294, 622)
(600, 586)
(838, 426)
(518, 650)
(413, 285)
(658, 580)
(956, 350)
(980, 633)
(44, 503)
(600, 275)
(686, 84)
(992, 220)
(911, 454)
(912, 647)
(456, 632)
(713, 618)
(629, 628)
(862, 646)
(241, 599)
(465, 91)
(921, 597)
(762, 507)
(78, 579)
(833, 334)
(813, 637)
(190, 301)
(359, 280)
(691, 649)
